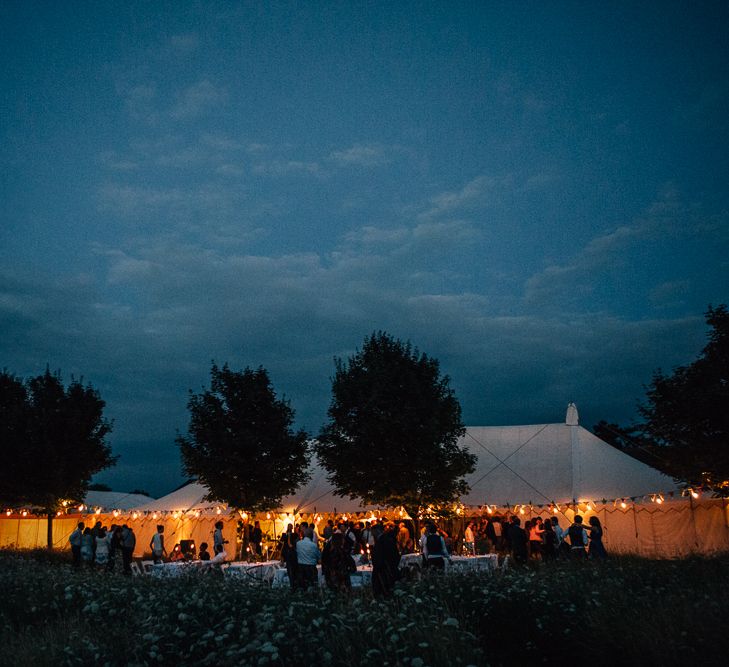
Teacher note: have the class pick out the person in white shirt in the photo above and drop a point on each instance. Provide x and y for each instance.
(308, 555)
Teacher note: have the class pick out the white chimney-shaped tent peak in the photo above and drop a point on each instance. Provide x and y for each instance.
(572, 419)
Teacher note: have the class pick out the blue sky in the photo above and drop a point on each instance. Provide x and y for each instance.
(535, 194)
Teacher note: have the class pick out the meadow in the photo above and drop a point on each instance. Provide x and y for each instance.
(623, 611)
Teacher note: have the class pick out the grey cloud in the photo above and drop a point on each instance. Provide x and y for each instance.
(198, 99)
(363, 155)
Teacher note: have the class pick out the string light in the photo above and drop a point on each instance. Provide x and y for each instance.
(81, 507)
(623, 504)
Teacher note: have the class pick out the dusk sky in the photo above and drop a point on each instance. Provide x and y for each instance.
(533, 193)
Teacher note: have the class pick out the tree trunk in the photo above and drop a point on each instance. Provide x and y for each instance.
(49, 533)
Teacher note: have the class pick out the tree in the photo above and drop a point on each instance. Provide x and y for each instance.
(393, 429)
(685, 415)
(53, 440)
(240, 442)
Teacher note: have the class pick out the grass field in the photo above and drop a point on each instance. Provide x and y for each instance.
(621, 612)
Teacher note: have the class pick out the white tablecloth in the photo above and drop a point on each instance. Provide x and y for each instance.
(175, 569)
(265, 571)
(481, 562)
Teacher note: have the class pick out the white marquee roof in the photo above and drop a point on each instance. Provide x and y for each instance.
(536, 464)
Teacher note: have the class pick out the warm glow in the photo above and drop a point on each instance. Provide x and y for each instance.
(154, 515)
(81, 508)
(694, 494)
(59, 513)
(135, 515)
(268, 515)
(489, 510)
(622, 504)
(24, 512)
(8, 512)
(589, 507)
(555, 510)
(115, 512)
(218, 511)
(521, 510)
(98, 510)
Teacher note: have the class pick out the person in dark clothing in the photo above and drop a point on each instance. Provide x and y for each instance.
(114, 547)
(578, 538)
(340, 564)
(128, 543)
(257, 539)
(203, 554)
(288, 555)
(385, 562)
(434, 548)
(75, 542)
(597, 548)
(518, 539)
(549, 547)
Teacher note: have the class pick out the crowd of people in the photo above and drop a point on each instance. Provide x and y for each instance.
(381, 543)
(538, 539)
(102, 548)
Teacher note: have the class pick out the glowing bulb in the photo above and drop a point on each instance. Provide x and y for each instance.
(694, 494)
(154, 515)
(589, 507)
(98, 510)
(622, 504)
(659, 500)
(489, 509)
(24, 512)
(268, 515)
(8, 512)
(58, 513)
(218, 511)
(135, 515)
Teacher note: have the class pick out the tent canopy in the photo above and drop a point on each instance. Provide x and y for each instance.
(537, 464)
(546, 463)
(115, 500)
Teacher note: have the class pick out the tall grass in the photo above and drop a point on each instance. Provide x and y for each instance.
(623, 611)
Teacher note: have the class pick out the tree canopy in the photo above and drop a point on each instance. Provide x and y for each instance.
(684, 422)
(240, 441)
(53, 439)
(393, 429)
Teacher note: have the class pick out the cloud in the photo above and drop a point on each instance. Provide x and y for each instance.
(140, 102)
(197, 100)
(475, 192)
(362, 155)
(286, 167)
(666, 222)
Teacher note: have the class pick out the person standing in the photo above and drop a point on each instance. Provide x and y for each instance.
(434, 548)
(101, 553)
(218, 539)
(75, 541)
(597, 548)
(403, 536)
(288, 555)
(114, 539)
(469, 539)
(87, 547)
(578, 538)
(385, 562)
(257, 538)
(518, 539)
(157, 544)
(307, 555)
(128, 542)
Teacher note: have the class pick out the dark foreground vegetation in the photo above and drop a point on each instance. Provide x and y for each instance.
(623, 611)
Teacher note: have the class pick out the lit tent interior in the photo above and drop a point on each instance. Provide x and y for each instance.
(543, 469)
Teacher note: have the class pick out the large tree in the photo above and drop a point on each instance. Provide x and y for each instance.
(53, 440)
(241, 443)
(685, 416)
(393, 429)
